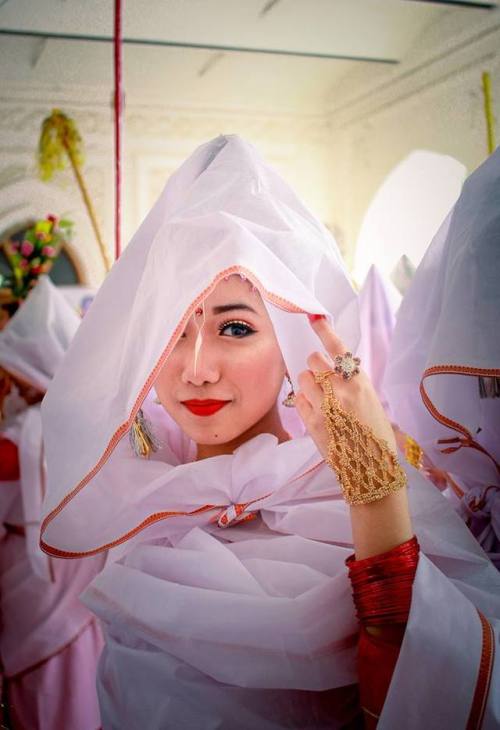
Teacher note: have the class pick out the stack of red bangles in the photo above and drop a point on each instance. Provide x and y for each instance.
(382, 584)
(382, 589)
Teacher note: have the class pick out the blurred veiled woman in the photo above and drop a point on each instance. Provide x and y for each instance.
(49, 641)
(443, 377)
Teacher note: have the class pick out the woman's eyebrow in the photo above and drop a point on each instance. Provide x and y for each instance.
(229, 307)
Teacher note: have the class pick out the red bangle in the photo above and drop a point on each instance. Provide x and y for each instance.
(382, 585)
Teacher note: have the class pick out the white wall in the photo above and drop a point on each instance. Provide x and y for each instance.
(336, 160)
(432, 101)
(157, 140)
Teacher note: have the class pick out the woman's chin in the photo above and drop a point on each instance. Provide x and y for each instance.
(208, 430)
(212, 435)
(219, 428)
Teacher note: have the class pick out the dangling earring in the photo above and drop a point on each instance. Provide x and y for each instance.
(142, 438)
(289, 401)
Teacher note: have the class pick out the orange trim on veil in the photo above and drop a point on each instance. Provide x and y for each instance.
(467, 440)
(483, 682)
(486, 662)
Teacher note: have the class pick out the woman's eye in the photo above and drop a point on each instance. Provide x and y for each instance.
(235, 329)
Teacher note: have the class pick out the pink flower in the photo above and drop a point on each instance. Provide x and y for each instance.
(48, 251)
(41, 236)
(53, 219)
(23, 265)
(27, 248)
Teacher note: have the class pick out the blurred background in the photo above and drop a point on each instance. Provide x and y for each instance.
(374, 110)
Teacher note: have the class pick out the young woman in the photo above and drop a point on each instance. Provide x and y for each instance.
(228, 604)
(49, 642)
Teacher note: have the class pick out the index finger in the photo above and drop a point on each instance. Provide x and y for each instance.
(331, 342)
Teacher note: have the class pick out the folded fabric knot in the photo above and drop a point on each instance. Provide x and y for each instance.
(480, 508)
(233, 514)
(483, 501)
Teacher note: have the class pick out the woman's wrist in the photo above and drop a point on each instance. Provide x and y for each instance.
(382, 525)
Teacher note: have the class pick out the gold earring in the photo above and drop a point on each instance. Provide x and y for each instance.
(142, 438)
(289, 401)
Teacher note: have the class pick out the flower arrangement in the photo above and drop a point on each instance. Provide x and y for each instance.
(59, 143)
(34, 254)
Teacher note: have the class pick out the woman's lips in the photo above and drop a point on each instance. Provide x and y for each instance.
(204, 407)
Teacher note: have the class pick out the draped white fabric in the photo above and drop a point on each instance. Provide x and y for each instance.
(449, 317)
(446, 336)
(250, 626)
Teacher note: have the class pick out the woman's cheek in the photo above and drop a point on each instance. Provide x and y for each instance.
(259, 380)
(164, 384)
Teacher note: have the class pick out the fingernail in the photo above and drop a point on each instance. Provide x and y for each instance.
(315, 317)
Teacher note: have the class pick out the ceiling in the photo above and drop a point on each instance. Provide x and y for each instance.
(280, 55)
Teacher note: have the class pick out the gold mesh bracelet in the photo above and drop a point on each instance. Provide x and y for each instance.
(366, 467)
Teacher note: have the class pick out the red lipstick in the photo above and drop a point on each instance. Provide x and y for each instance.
(204, 407)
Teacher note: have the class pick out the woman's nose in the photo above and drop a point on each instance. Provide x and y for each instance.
(200, 366)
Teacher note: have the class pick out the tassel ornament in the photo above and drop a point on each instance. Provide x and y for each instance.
(142, 439)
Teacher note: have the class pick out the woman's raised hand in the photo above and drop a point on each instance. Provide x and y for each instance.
(356, 396)
(346, 420)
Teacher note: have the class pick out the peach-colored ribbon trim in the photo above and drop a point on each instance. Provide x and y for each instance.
(466, 440)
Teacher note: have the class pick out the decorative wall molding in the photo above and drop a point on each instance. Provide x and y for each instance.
(23, 104)
(182, 124)
(425, 68)
(157, 140)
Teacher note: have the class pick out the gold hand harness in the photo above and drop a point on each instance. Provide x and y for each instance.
(365, 465)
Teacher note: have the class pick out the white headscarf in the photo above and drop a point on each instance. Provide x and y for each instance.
(33, 343)
(402, 274)
(224, 211)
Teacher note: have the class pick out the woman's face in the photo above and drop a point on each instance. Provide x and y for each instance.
(233, 388)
